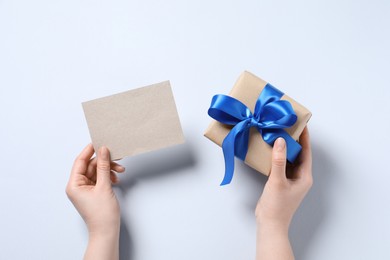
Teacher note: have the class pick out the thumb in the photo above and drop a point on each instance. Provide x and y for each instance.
(103, 168)
(278, 170)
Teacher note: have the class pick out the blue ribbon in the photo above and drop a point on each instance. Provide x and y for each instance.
(270, 117)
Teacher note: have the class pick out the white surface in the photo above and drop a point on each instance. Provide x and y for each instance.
(332, 56)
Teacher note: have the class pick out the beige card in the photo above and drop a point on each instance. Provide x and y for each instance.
(135, 121)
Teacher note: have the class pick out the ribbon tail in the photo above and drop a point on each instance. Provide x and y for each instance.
(228, 154)
(293, 148)
(238, 135)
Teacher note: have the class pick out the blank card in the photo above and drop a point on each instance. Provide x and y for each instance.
(135, 121)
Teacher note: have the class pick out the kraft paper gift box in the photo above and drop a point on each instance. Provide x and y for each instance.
(247, 90)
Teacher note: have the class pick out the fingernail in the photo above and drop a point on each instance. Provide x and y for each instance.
(103, 152)
(280, 144)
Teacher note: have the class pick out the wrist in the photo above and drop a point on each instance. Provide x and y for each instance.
(103, 245)
(273, 240)
(106, 230)
(104, 236)
(111, 235)
(273, 225)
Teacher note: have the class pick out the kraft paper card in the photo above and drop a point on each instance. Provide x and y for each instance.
(135, 121)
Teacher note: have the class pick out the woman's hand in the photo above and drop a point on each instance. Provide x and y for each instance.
(282, 195)
(89, 188)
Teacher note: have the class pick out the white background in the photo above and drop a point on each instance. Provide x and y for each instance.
(332, 56)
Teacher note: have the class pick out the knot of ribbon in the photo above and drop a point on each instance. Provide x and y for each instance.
(270, 117)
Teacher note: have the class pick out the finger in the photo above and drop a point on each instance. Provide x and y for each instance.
(82, 160)
(305, 157)
(91, 171)
(114, 166)
(278, 170)
(117, 167)
(103, 169)
(114, 177)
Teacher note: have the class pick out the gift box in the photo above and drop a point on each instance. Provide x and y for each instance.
(254, 143)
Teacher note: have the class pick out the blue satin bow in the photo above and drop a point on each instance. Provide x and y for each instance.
(270, 117)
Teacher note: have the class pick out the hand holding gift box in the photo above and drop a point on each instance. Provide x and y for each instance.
(251, 119)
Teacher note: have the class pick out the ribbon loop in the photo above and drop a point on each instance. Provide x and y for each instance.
(232, 114)
(270, 117)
